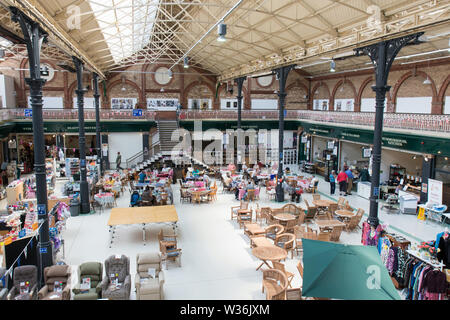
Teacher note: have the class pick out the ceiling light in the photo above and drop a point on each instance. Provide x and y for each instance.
(332, 66)
(186, 62)
(427, 81)
(162, 90)
(222, 31)
(123, 89)
(426, 158)
(170, 73)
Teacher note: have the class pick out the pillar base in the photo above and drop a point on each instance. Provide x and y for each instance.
(279, 193)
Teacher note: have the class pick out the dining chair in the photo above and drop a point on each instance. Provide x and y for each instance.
(289, 275)
(316, 196)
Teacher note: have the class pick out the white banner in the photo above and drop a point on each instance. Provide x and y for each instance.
(435, 191)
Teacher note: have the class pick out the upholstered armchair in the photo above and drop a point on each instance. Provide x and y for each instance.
(3, 284)
(52, 274)
(93, 271)
(147, 287)
(24, 274)
(117, 266)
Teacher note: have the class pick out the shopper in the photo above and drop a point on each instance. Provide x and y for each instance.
(147, 197)
(342, 180)
(61, 154)
(350, 176)
(332, 182)
(118, 161)
(142, 177)
(364, 175)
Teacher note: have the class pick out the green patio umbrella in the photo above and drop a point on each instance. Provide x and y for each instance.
(346, 272)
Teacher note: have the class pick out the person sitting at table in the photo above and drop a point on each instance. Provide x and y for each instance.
(239, 186)
(196, 172)
(206, 180)
(169, 192)
(142, 177)
(287, 171)
(147, 197)
(135, 199)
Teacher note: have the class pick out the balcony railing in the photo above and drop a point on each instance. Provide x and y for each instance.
(72, 114)
(424, 122)
(410, 121)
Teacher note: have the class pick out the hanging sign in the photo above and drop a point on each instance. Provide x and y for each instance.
(137, 112)
(41, 209)
(104, 149)
(28, 113)
(435, 191)
(304, 139)
(330, 144)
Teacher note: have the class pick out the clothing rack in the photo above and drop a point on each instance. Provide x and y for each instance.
(440, 265)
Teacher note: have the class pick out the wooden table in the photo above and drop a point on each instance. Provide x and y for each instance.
(284, 217)
(329, 224)
(269, 253)
(196, 195)
(253, 229)
(143, 216)
(344, 213)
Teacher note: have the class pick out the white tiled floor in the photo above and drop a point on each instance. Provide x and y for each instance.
(216, 262)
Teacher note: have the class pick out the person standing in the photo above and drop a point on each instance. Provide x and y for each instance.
(342, 180)
(350, 176)
(118, 161)
(332, 182)
(364, 175)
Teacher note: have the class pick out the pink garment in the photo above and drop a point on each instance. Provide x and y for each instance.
(199, 184)
(241, 193)
(434, 296)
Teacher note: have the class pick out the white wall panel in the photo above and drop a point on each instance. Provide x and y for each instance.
(414, 105)
(127, 143)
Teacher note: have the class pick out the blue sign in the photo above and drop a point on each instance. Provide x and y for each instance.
(376, 191)
(41, 209)
(82, 162)
(137, 112)
(28, 113)
(43, 250)
(285, 112)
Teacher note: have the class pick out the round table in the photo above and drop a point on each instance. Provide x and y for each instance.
(344, 213)
(322, 203)
(197, 194)
(269, 253)
(284, 217)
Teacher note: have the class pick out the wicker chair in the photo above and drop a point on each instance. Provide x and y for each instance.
(296, 293)
(341, 203)
(274, 230)
(234, 209)
(244, 217)
(324, 236)
(311, 212)
(290, 224)
(336, 233)
(281, 267)
(286, 241)
(316, 196)
(274, 284)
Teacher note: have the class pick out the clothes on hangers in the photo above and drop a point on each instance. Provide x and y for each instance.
(435, 285)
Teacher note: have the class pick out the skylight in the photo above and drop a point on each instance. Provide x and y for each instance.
(126, 24)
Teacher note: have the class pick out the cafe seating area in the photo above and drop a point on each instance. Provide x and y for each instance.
(275, 233)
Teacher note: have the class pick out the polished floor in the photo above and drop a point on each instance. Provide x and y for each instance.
(216, 262)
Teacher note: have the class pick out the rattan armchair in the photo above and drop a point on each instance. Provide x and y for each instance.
(289, 275)
(286, 241)
(274, 230)
(244, 216)
(274, 284)
(296, 293)
(335, 234)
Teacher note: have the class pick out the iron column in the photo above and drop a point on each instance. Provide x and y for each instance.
(282, 74)
(34, 36)
(84, 188)
(382, 55)
(240, 145)
(97, 123)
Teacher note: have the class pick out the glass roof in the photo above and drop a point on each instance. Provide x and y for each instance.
(126, 24)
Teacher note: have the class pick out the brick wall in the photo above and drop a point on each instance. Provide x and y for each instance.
(405, 81)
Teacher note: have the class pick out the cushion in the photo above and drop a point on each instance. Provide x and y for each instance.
(173, 254)
(58, 271)
(149, 286)
(90, 268)
(148, 258)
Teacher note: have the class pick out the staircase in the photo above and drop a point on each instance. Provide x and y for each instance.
(165, 130)
(140, 161)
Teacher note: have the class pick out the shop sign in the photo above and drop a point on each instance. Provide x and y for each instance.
(394, 141)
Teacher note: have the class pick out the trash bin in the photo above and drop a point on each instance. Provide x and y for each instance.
(74, 207)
